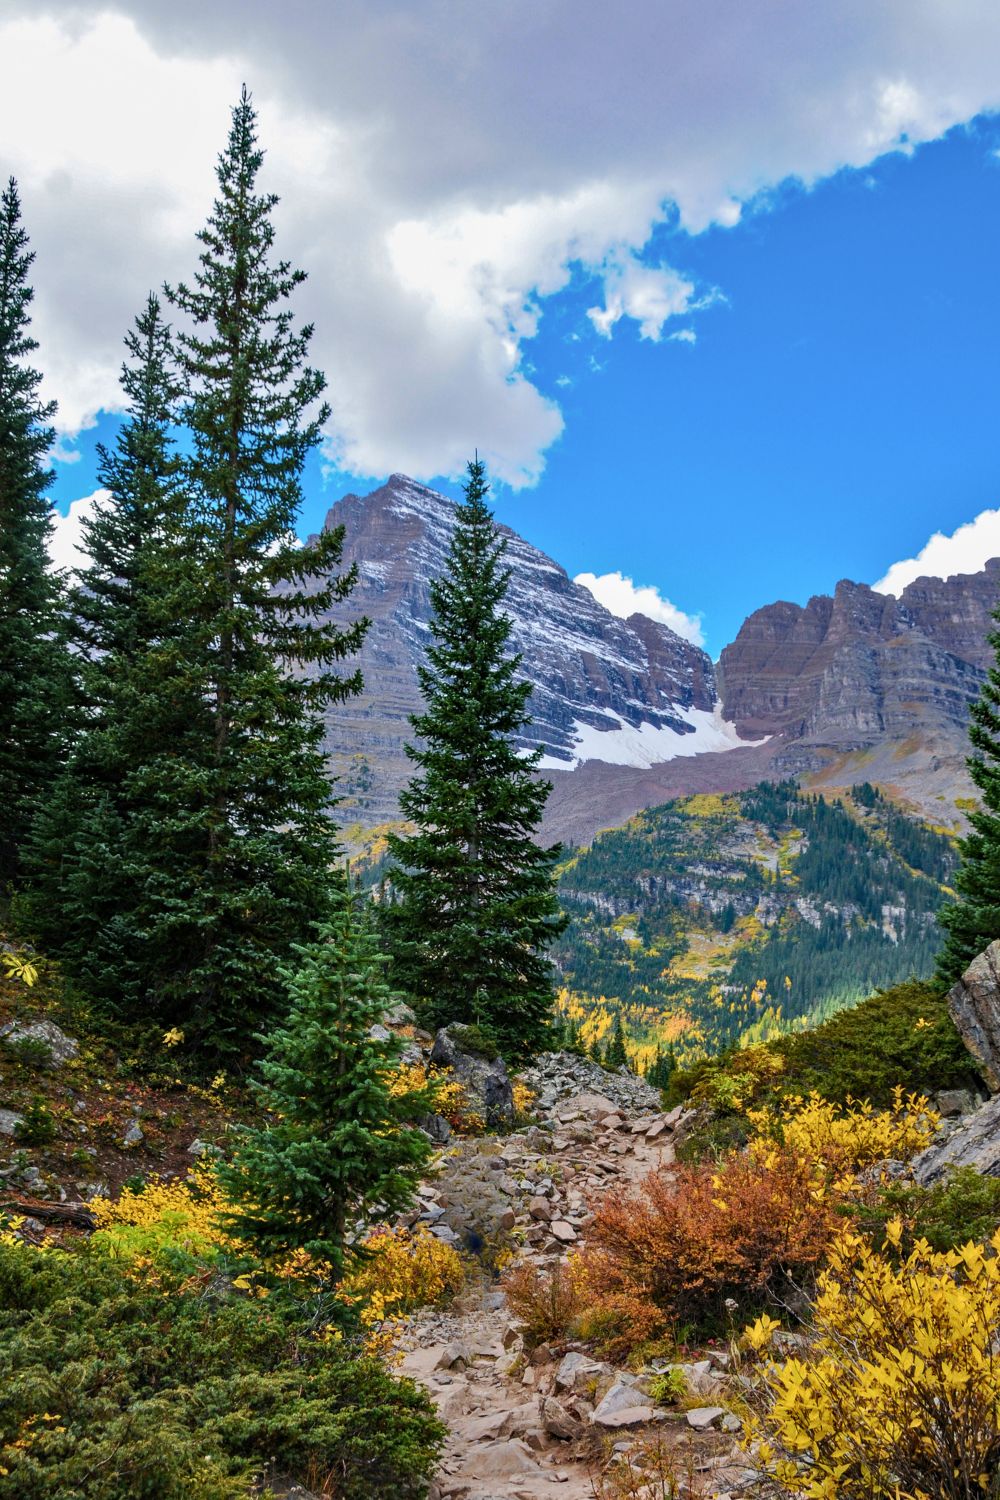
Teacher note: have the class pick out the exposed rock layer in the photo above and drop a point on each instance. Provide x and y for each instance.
(860, 686)
(592, 674)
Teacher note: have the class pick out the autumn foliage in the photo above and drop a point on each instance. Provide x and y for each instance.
(896, 1395)
(672, 1251)
(548, 1304)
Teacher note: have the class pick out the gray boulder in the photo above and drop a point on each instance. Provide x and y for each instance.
(49, 1038)
(974, 1006)
(975, 1143)
(484, 1078)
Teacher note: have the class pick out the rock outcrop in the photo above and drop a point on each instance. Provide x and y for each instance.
(483, 1077)
(976, 1144)
(974, 1006)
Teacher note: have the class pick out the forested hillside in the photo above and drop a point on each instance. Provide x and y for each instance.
(714, 919)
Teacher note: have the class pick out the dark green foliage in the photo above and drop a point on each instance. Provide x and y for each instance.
(810, 959)
(333, 1147)
(199, 802)
(238, 814)
(35, 676)
(38, 1124)
(616, 1055)
(972, 921)
(90, 848)
(864, 1052)
(476, 906)
(661, 1069)
(964, 1207)
(152, 1391)
(903, 1036)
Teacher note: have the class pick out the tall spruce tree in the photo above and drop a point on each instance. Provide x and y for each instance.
(334, 1148)
(35, 675)
(972, 922)
(477, 906)
(616, 1055)
(87, 859)
(242, 870)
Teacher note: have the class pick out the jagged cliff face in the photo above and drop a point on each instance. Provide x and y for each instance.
(845, 672)
(629, 692)
(858, 687)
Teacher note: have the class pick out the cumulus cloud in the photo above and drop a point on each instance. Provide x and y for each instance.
(623, 598)
(66, 543)
(444, 170)
(966, 550)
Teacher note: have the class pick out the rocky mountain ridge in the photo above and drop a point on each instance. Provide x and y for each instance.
(857, 686)
(629, 692)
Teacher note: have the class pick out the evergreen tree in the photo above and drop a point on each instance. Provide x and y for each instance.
(477, 905)
(35, 675)
(662, 1067)
(616, 1055)
(241, 841)
(334, 1150)
(972, 922)
(83, 861)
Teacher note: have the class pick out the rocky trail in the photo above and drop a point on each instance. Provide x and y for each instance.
(525, 1425)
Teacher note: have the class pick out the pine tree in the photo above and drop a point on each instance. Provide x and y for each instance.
(972, 922)
(87, 861)
(35, 675)
(477, 906)
(238, 814)
(616, 1055)
(334, 1150)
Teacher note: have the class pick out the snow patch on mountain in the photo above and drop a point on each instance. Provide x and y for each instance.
(646, 744)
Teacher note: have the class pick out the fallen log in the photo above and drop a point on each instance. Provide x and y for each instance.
(77, 1214)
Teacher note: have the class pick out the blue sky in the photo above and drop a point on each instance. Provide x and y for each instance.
(839, 405)
(711, 287)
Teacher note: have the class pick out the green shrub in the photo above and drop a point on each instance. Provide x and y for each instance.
(668, 1388)
(119, 1389)
(902, 1036)
(38, 1124)
(32, 1052)
(964, 1207)
(476, 1040)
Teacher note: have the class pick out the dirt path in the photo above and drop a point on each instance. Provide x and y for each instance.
(523, 1430)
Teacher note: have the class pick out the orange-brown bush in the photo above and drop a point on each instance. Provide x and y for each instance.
(671, 1251)
(548, 1304)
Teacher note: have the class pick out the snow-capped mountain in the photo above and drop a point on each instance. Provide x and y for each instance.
(630, 693)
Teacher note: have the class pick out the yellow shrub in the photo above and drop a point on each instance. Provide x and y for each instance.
(524, 1098)
(165, 1215)
(898, 1394)
(843, 1139)
(403, 1269)
(444, 1096)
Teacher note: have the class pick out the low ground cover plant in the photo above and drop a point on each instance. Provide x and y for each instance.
(149, 1383)
(898, 1038)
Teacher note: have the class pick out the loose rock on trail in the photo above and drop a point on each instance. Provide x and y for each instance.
(521, 1424)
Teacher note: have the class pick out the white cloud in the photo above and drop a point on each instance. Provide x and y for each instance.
(444, 169)
(66, 545)
(966, 550)
(623, 598)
